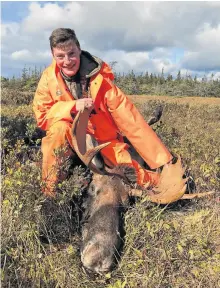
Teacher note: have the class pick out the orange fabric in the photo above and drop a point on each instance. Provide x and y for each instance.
(52, 101)
(115, 114)
(54, 141)
(139, 133)
(117, 153)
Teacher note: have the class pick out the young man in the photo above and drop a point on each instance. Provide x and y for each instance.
(63, 91)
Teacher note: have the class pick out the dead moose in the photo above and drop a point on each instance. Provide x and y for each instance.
(110, 190)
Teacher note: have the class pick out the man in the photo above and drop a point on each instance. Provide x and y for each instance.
(74, 81)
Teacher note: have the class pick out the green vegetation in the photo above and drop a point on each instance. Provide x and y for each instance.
(174, 246)
(130, 83)
(152, 84)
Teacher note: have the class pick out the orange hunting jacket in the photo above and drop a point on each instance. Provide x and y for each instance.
(115, 113)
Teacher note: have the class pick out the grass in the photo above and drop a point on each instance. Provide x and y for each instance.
(165, 246)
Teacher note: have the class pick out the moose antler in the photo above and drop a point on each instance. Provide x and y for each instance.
(171, 187)
(78, 136)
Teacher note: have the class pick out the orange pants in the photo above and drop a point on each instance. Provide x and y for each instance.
(113, 154)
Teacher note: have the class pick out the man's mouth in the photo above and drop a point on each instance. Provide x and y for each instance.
(70, 67)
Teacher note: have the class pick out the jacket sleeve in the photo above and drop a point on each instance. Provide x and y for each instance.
(47, 111)
(133, 126)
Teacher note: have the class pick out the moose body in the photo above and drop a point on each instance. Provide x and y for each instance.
(102, 233)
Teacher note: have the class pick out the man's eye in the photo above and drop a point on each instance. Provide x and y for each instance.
(60, 57)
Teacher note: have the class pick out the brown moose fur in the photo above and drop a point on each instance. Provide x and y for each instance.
(102, 233)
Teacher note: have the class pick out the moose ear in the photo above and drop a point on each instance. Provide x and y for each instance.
(91, 189)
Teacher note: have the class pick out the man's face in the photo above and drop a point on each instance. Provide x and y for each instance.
(68, 58)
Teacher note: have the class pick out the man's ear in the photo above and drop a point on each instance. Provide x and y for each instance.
(52, 52)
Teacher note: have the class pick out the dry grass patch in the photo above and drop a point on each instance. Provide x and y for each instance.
(165, 246)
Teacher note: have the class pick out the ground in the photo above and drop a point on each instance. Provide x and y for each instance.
(165, 246)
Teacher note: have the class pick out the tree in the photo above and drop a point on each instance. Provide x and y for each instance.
(146, 76)
(179, 77)
(24, 75)
(169, 78)
(112, 64)
(204, 79)
(162, 79)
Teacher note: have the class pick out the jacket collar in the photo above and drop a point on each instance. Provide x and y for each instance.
(89, 64)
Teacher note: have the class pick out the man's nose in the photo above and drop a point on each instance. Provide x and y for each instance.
(67, 59)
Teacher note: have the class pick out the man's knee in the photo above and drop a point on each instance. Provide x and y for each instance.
(59, 128)
(55, 137)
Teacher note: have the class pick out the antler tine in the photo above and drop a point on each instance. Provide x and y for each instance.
(197, 195)
(78, 136)
(160, 198)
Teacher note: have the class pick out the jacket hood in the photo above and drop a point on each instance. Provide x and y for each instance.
(90, 65)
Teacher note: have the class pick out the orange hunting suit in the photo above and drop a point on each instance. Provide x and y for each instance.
(115, 114)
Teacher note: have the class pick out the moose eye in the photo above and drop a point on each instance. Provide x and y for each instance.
(94, 189)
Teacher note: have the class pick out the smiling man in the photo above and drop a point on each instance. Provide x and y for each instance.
(77, 80)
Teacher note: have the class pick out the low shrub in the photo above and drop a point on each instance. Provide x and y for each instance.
(165, 246)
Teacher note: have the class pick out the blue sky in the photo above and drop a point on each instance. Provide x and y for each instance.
(17, 10)
(13, 11)
(140, 36)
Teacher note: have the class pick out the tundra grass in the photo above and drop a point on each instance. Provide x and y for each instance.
(164, 246)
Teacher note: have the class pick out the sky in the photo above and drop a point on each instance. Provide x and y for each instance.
(141, 36)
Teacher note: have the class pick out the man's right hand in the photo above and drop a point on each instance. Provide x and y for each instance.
(82, 104)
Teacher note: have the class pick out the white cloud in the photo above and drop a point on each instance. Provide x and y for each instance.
(215, 76)
(27, 56)
(46, 17)
(21, 55)
(9, 29)
(205, 53)
(139, 35)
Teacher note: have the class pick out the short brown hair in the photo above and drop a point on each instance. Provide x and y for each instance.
(61, 37)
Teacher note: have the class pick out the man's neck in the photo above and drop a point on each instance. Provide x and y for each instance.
(74, 78)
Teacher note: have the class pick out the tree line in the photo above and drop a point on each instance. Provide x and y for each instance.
(132, 84)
